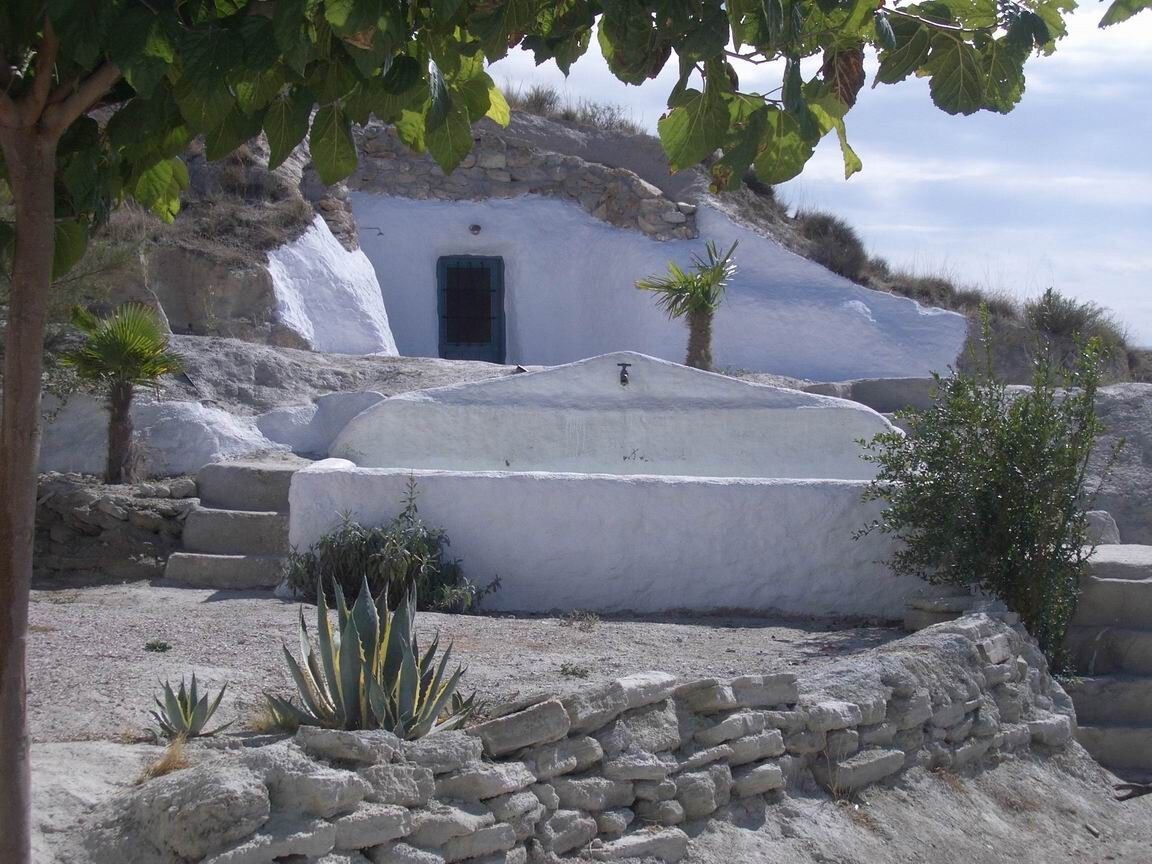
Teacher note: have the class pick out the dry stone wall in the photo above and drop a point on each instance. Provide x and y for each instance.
(503, 168)
(85, 528)
(610, 773)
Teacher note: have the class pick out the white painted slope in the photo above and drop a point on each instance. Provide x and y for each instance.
(570, 292)
(668, 420)
(330, 296)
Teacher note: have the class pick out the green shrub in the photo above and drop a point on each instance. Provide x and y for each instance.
(405, 555)
(834, 243)
(369, 672)
(1066, 321)
(987, 489)
(184, 713)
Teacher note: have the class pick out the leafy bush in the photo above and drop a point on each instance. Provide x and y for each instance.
(1066, 321)
(184, 713)
(369, 673)
(834, 243)
(987, 489)
(404, 556)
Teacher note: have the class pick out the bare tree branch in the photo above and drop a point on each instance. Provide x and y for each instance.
(61, 115)
(9, 113)
(33, 103)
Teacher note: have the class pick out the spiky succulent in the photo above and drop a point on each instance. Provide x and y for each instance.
(184, 713)
(368, 672)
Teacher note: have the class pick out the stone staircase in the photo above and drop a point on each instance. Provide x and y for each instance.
(237, 539)
(1111, 645)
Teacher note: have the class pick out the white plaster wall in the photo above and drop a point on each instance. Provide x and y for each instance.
(328, 295)
(570, 292)
(310, 429)
(669, 419)
(642, 543)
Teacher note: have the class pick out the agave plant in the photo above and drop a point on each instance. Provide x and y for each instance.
(184, 713)
(368, 671)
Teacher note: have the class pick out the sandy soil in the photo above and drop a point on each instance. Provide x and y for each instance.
(96, 640)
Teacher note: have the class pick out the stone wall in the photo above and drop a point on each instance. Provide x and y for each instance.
(607, 773)
(84, 528)
(499, 167)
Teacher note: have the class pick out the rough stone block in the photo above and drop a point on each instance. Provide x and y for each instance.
(735, 726)
(701, 793)
(593, 793)
(651, 729)
(708, 696)
(280, 837)
(842, 742)
(949, 714)
(484, 781)
(756, 747)
(757, 779)
(505, 807)
(639, 766)
(442, 822)
(591, 709)
(661, 812)
(566, 830)
(1014, 736)
(202, 810)
(695, 758)
(880, 734)
(669, 845)
(833, 714)
(546, 794)
(803, 743)
(995, 649)
(787, 722)
(497, 838)
(1052, 731)
(403, 784)
(364, 748)
(372, 825)
(442, 752)
(539, 724)
(299, 785)
(402, 853)
(613, 823)
(858, 771)
(563, 757)
(648, 790)
(909, 712)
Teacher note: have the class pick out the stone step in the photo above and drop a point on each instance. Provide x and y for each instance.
(1121, 561)
(1107, 650)
(231, 532)
(1112, 699)
(1125, 750)
(1118, 589)
(228, 572)
(247, 485)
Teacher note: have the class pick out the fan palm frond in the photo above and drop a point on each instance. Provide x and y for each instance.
(680, 292)
(128, 346)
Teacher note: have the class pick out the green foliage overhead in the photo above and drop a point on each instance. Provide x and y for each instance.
(184, 713)
(127, 347)
(988, 490)
(368, 672)
(163, 73)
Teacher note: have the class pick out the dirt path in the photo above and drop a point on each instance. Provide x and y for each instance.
(101, 651)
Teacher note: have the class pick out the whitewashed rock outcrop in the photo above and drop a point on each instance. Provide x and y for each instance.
(609, 773)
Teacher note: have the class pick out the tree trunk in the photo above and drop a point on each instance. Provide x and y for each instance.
(119, 432)
(31, 160)
(700, 339)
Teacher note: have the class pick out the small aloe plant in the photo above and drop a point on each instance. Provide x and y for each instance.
(184, 713)
(369, 672)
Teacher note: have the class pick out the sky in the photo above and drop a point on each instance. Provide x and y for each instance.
(1057, 193)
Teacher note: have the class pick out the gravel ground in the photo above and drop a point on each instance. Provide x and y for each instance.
(94, 662)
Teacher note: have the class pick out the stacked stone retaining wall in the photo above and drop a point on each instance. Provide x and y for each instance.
(90, 530)
(501, 168)
(607, 773)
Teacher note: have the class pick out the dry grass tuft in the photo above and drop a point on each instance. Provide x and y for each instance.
(172, 759)
(262, 720)
(543, 100)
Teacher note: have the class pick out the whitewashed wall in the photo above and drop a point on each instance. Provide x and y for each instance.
(642, 544)
(669, 419)
(329, 295)
(570, 292)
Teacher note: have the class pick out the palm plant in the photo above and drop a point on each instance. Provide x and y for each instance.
(695, 296)
(184, 713)
(369, 672)
(121, 352)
